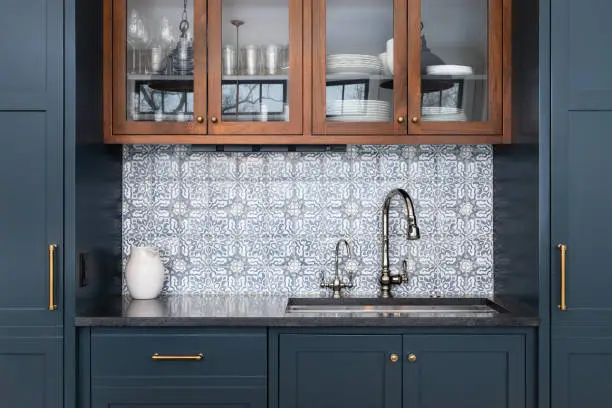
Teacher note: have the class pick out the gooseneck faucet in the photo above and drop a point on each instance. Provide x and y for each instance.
(386, 279)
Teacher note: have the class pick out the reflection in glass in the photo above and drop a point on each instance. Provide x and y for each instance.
(455, 60)
(359, 65)
(255, 61)
(159, 57)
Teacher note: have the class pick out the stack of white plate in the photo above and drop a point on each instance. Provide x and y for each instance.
(359, 111)
(443, 114)
(354, 64)
(457, 70)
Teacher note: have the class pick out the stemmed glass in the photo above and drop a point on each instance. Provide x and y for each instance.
(145, 40)
(133, 36)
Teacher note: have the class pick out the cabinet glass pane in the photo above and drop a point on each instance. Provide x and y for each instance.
(159, 59)
(454, 60)
(255, 61)
(359, 60)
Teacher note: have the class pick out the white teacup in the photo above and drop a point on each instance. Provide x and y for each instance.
(385, 63)
(390, 53)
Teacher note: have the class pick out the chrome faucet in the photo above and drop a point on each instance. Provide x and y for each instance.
(386, 279)
(337, 284)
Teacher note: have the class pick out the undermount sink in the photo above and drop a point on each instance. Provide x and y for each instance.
(395, 306)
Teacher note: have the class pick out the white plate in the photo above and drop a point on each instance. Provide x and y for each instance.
(358, 119)
(442, 110)
(449, 70)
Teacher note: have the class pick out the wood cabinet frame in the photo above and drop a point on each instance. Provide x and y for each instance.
(499, 76)
(307, 123)
(215, 42)
(117, 48)
(319, 69)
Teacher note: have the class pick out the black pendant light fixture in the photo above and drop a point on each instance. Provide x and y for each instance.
(428, 58)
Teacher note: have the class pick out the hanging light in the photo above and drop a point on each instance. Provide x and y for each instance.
(428, 58)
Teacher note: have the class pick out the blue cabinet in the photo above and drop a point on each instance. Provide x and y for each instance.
(582, 367)
(193, 396)
(581, 198)
(171, 367)
(480, 371)
(409, 371)
(31, 202)
(330, 371)
(29, 372)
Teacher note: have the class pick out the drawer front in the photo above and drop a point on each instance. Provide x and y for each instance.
(225, 353)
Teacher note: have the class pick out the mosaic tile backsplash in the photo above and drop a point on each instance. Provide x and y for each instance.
(267, 223)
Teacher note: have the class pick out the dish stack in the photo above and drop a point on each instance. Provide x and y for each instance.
(358, 111)
(449, 70)
(443, 114)
(354, 64)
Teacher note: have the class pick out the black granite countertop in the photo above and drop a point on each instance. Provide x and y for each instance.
(269, 311)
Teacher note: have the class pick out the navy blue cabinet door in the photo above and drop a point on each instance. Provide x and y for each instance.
(29, 376)
(581, 368)
(31, 134)
(331, 371)
(581, 57)
(476, 371)
(150, 396)
(581, 203)
(31, 50)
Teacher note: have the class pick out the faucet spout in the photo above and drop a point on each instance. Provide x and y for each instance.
(413, 233)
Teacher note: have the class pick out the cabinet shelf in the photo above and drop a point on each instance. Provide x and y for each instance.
(158, 77)
(477, 77)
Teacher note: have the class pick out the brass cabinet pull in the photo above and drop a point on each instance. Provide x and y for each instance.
(200, 119)
(52, 305)
(394, 358)
(563, 249)
(412, 358)
(214, 119)
(415, 119)
(158, 357)
(401, 119)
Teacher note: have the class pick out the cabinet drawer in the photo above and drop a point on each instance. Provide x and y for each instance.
(225, 353)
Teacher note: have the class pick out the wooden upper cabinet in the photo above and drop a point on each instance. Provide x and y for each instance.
(158, 67)
(307, 71)
(255, 71)
(459, 69)
(359, 67)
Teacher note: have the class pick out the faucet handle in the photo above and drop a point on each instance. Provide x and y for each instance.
(405, 274)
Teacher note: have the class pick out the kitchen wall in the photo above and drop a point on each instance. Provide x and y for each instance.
(267, 223)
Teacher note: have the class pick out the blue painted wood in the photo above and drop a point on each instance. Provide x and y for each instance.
(31, 217)
(226, 353)
(477, 371)
(581, 368)
(330, 371)
(581, 162)
(30, 375)
(185, 397)
(31, 70)
(581, 60)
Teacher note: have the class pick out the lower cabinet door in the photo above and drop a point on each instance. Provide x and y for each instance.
(179, 397)
(581, 372)
(332, 371)
(475, 371)
(30, 372)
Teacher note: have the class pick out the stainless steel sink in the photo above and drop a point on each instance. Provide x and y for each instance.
(395, 306)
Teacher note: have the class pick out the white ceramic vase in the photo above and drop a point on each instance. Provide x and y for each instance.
(144, 273)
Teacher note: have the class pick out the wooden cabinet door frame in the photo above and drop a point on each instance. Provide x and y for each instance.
(499, 76)
(215, 39)
(319, 82)
(122, 126)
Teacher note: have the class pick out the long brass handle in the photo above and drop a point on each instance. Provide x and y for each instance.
(563, 249)
(158, 357)
(52, 305)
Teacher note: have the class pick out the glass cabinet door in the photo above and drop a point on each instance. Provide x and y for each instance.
(255, 78)
(455, 75)
(359, 67)
(160, 67)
